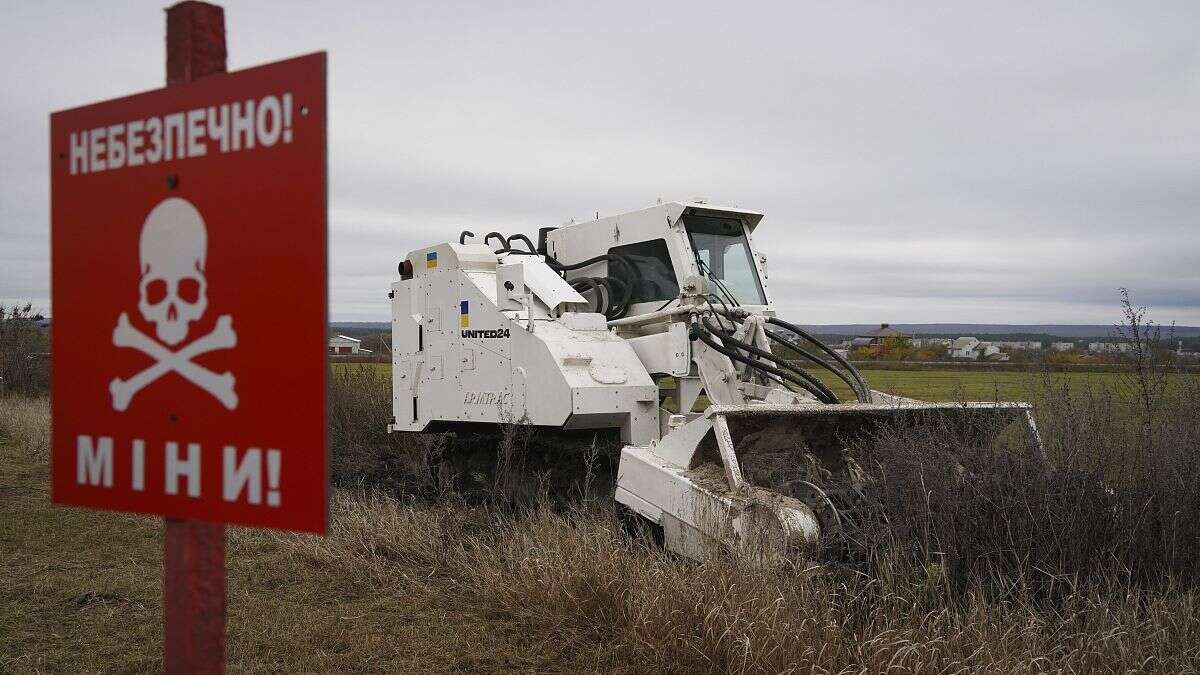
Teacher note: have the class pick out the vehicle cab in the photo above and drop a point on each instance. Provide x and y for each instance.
(667, 244)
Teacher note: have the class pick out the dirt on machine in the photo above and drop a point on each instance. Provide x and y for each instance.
(648, 337)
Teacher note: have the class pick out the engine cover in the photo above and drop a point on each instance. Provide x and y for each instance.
(486, 338)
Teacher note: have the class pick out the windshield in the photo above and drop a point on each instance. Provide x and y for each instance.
(721, 248)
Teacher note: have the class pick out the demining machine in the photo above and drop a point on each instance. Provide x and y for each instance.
(656, 328)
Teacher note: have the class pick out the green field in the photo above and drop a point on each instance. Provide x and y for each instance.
(952, 385)
(939, 385)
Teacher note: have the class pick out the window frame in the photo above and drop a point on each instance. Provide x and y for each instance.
(686, 218)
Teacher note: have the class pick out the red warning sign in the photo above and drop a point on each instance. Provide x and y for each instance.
(188, 237)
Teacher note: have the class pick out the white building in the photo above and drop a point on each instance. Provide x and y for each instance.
(342, 345)
(991, 352)
(972, 348)
(1110, 347)
(1062, 346)
(1020, 344)
(965, 348)
(932, 342)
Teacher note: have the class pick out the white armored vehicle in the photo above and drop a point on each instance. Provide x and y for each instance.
(657, 325)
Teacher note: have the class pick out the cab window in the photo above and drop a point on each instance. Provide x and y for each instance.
(653, 262)
(723, 254)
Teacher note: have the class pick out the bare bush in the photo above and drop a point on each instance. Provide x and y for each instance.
(24, 366)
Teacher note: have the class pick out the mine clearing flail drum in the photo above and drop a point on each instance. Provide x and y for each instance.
(739, 476)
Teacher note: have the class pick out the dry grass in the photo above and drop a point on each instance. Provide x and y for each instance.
(81, 590)
(363, 452)
(405, 585)
(1000, 567)
(27, 421)
(576, 578)
(1114, 493)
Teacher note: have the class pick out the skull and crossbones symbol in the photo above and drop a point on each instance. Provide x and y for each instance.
(173, 292)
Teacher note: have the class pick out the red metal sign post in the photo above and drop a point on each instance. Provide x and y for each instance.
(189, 285)
(193, 550)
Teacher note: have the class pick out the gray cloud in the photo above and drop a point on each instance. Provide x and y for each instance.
(941, 162)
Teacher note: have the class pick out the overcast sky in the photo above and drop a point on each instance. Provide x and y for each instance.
(957, 162)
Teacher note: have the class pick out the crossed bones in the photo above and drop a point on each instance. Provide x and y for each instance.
(220, 386)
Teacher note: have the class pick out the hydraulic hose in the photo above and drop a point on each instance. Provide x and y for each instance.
(702, 335)
(864, 393)
(630, 269)
(729, 339)
(592, 284)
(488, 237)
(827, 395)
(707, 271)
(521, 237)
(817, 360)
(618, 286)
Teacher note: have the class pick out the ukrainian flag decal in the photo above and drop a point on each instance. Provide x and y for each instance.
(431, 260)
(464, 315)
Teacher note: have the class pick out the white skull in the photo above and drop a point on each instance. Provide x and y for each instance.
(173, 291)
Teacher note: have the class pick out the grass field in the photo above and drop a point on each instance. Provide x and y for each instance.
(410, 585)
(950, 385)
(81, 591)
(941, 385)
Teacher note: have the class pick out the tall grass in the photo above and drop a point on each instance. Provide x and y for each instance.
(1110, 496)
(993, 553)
(992, 557)
(575, 574)
(27, 421)
(1114, 493)
(362, 452)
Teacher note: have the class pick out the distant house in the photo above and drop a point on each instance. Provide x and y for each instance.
(342, 345)
(965, 348)
(883, 335)
(1020, 344)
(883, 338)
(1062, 346)
(992, 353)
(971, 348)
(932, 342)
(1109, 347)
